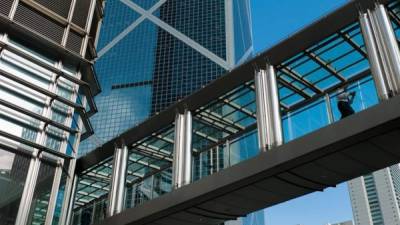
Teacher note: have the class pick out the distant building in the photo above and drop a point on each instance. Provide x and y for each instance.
(342, 223)
(375, 197)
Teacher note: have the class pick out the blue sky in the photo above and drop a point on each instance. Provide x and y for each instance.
(273, 21)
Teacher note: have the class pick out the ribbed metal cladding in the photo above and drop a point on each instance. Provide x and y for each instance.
(74, 42)
(61, 7)
(81, 12)
(39, 23)
(5, 7)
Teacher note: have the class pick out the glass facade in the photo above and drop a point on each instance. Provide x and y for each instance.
(46, 86)
(148, 62)
(14, 169)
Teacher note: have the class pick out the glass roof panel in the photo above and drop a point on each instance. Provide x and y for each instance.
(328, 63)
(93, 183)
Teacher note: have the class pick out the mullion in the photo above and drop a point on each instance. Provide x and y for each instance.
(326, 66)
(297, 77)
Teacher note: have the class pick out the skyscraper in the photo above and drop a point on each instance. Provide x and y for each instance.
(375, 197)
(153, 53)
(47, 84)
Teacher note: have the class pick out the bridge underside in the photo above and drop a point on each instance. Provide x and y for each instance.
(357, 145)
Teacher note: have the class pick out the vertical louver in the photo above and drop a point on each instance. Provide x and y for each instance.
(74, 42)
(81, 12)
(5, 7)
(39, 23)
(61, 7)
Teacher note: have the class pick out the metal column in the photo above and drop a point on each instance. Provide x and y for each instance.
(375, 60)
(66, 217)
(54, 192)
(389, 42)
(329, 111)
(29, 189)
(117, 190)
(182, 163)
(383, 51)
(268, 109)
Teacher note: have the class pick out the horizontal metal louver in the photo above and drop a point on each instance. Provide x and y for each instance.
(61, 7)
(81, 12)
(39, 23)
(5, 7)
(74, 42)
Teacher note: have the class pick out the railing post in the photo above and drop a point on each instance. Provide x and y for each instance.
(329, 108)
(117, 190)
(182, 162)
(269, 121)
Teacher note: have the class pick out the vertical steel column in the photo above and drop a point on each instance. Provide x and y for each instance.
(182, 163)
(70, 186)
(117, 190)
(29, 189)
(122, 189)
(66, 216)
(275, 110)
(269, 121)
(228, 147)
(54, 192)
(375, 60)
(389, 42)
(112, 195)
(263, 120)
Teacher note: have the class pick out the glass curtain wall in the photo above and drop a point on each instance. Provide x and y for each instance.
(40, 119)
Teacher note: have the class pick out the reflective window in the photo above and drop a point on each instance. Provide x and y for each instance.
(41, 194)
(13, 172)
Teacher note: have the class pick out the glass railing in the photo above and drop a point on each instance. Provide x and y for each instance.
(149, 188)
(225, 155)
(365, 96)
(324, 110)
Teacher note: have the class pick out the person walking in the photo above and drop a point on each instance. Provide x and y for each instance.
(345, 99)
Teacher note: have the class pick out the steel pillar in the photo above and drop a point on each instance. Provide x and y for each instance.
(117, 190)
(375, 59)
(269, 121)
(383, 51)
(29, 189)
(389, 42)
(182, 163)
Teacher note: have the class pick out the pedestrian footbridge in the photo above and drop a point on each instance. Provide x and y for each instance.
(266, 132)
(344, 150)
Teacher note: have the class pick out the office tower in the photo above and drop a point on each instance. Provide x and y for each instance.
(47, 84)
(375, 197)
(154, 53)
